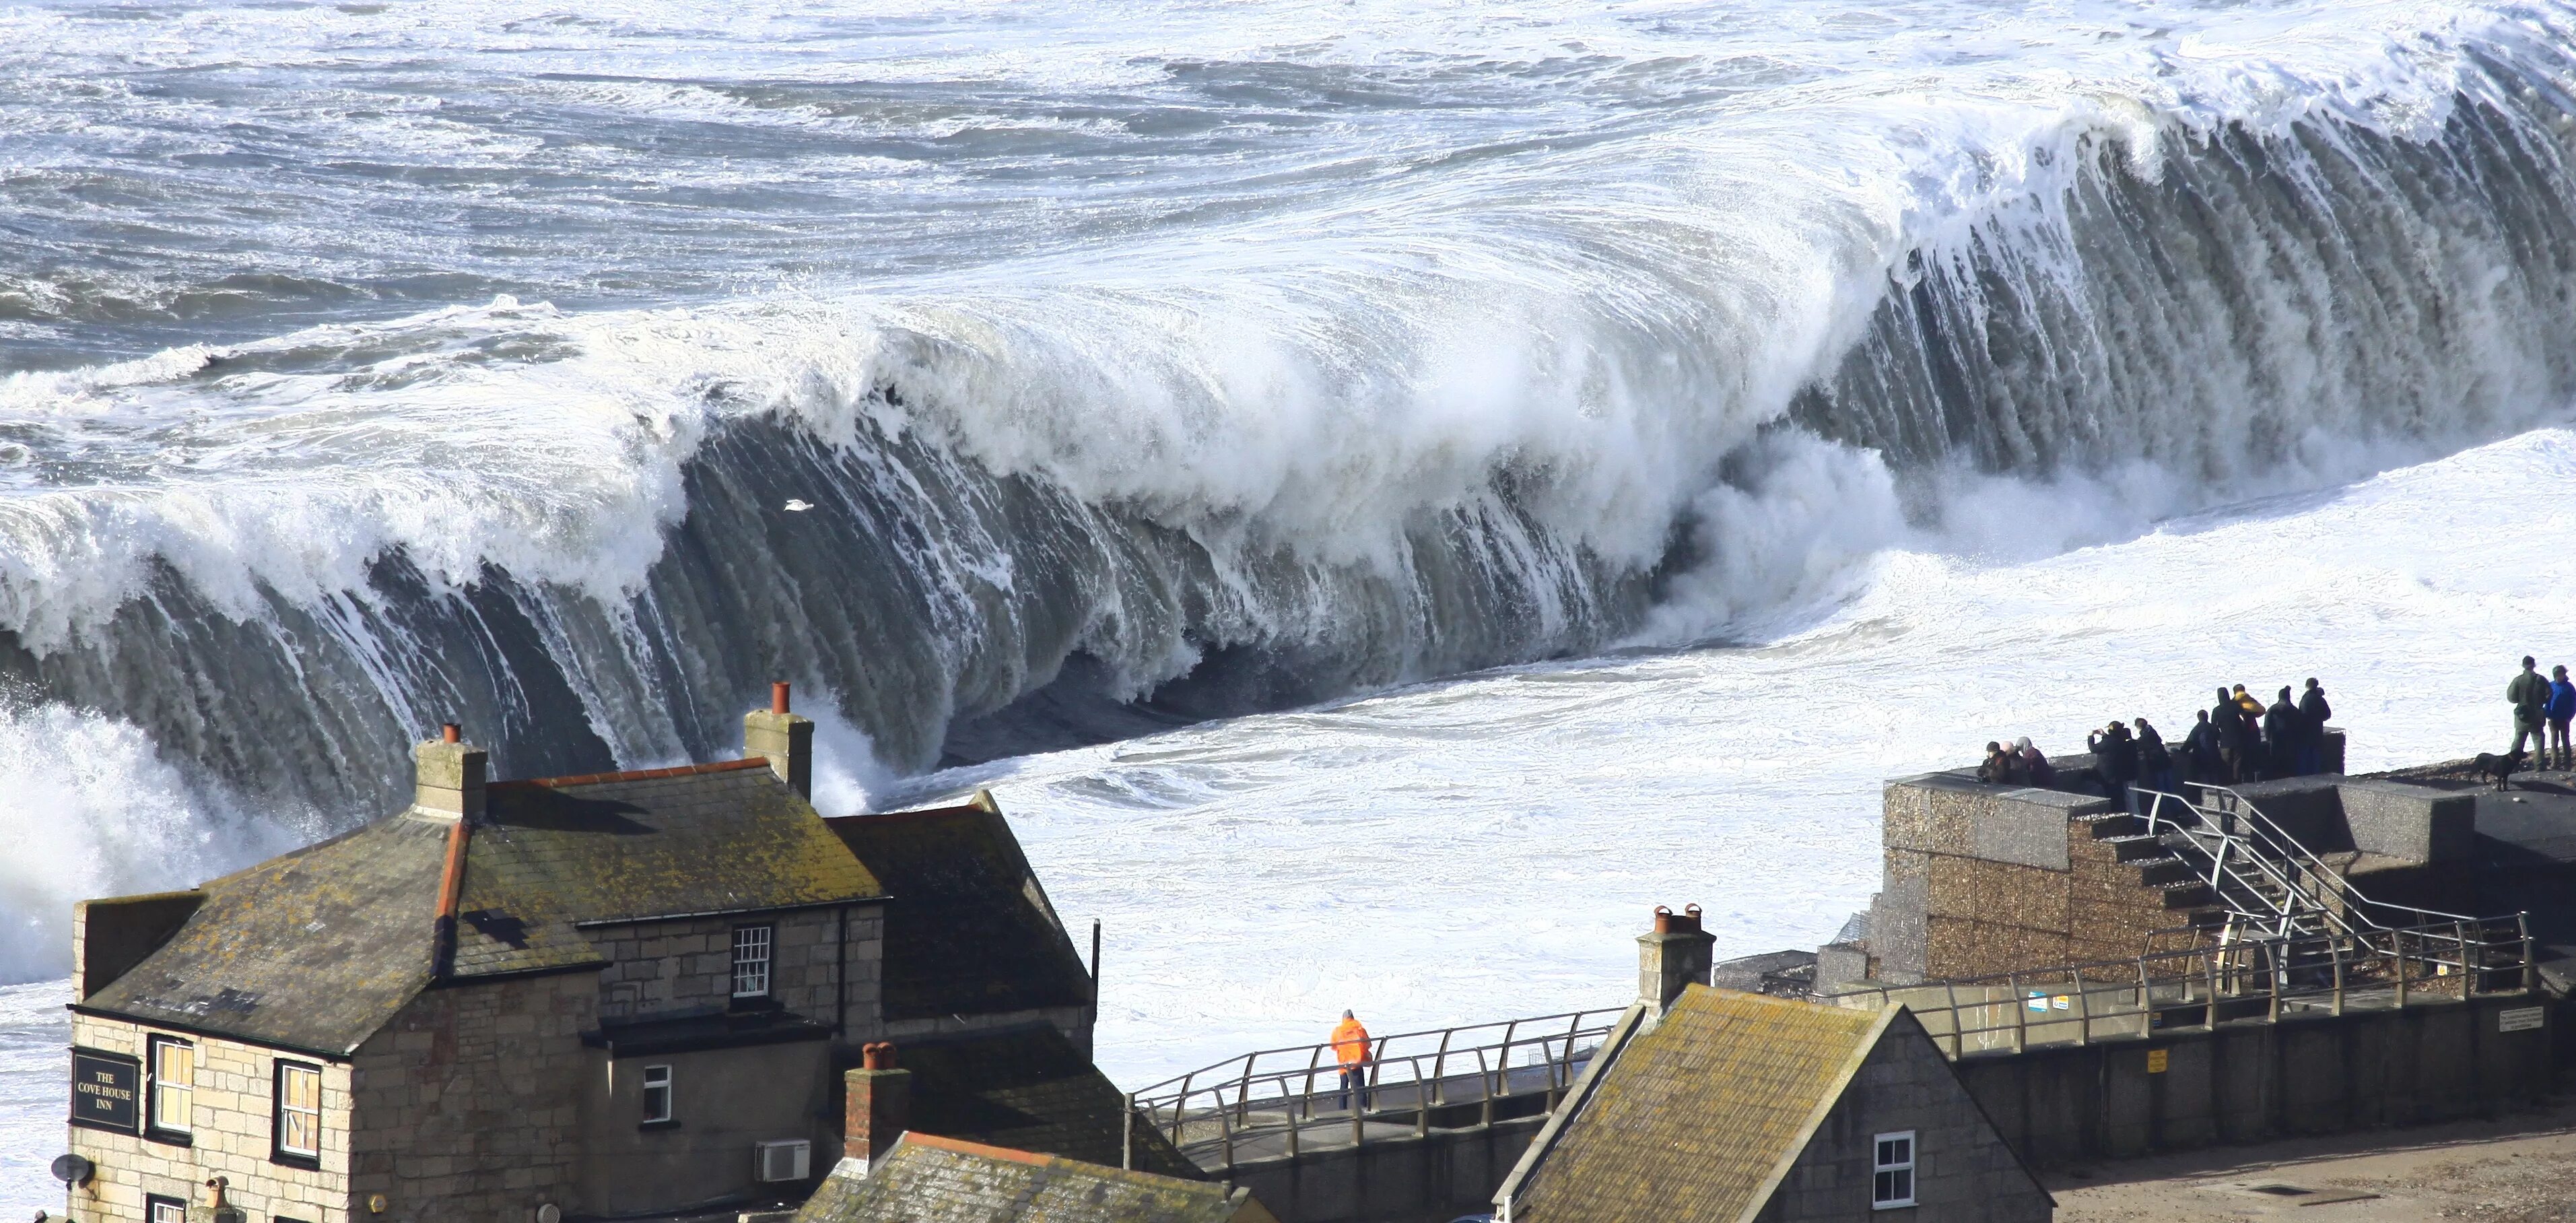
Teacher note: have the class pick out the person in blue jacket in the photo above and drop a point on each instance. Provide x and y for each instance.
(2562, 706)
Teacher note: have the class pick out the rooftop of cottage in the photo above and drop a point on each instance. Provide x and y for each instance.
(928, 1179)
(316, 949)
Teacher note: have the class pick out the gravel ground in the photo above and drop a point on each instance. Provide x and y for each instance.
(2518, 1169)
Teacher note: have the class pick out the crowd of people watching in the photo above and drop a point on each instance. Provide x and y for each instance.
(2238, 739)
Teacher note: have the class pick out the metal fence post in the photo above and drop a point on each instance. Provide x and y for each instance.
(2021, 1013)
(2530, 964)
(2210, 988)
(2397, 945)
(1127, 1134)
(2334, 947)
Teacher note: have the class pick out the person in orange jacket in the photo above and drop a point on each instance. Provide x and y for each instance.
(1351, 1049)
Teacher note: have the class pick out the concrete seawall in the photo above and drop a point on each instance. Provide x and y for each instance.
(2250, 1083)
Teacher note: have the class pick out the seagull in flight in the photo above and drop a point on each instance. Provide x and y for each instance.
(797, 505)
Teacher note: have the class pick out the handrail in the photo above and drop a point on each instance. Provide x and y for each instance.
(2254, 980)
(2308, 890)
(1295, 1096)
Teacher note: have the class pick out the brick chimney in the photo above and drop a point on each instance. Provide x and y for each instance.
(1675, 954)
(449, 783)
(879, 1106)
(787, 740)
(450, 787)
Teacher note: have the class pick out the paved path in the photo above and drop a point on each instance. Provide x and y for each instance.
(2518, 1169)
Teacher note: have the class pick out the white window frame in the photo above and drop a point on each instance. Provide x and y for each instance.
(752, 950)
(657, 1079)
(287, 1109)
(156, 1119)
(1891, 1181)
(157, 1209)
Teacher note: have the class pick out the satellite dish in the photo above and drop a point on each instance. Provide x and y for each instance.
(73, 1171)
(549, 1213)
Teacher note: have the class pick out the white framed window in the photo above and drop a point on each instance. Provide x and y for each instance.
(657, 1094)
(164, 1210)
(173, 1066)
(751, 961)
(1892, 1163)
(299, 1111)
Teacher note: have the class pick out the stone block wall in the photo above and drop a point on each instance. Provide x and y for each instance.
(466, 1105)
(819, 965)
(1983, 880)
(231, 1138)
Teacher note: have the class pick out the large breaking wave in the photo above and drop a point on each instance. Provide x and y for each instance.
(1644, 381)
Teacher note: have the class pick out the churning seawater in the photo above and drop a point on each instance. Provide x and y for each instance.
(1529, 462)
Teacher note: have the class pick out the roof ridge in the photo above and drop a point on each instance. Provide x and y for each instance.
(592, 779)
(963, 1147)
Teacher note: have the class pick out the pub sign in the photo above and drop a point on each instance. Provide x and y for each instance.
(107, 1091)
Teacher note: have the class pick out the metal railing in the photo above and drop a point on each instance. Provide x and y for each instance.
(2202, 987)
(2271, 884)
(1281, 1102)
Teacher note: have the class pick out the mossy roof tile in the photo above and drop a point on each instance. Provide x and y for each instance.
(317, 949)
(1028, 1088)
(926, 1179)
(1693, 1118)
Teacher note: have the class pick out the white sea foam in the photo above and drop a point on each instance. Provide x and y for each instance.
(1487, 847)
(1286, 280)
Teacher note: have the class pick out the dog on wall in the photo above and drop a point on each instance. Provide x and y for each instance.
(2502, 768)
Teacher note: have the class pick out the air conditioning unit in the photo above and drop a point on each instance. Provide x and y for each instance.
(782, 1160)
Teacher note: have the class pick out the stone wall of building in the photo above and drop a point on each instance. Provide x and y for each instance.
(825, 964)
(723, 1103)
(467, 1104)
(1984, 880)
(1963, 1171)
(231, 1138)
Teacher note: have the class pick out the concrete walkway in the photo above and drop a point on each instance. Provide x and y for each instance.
(2520, 1168)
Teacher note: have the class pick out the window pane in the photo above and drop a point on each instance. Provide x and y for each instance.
(751, 961)
(299, 1109)
(174, 1079)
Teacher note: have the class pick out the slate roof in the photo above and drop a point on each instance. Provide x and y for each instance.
(317, 949)
(312, 950)
(711, 838)
(1029, 1089)
(927, 1179)
(969, 930)
(1696, 1118)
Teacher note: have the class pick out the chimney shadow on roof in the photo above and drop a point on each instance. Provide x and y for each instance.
(537, 808)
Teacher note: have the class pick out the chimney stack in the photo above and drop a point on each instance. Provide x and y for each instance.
(787, 740)
(449, 781)
(879, 1106)
(1674, 955)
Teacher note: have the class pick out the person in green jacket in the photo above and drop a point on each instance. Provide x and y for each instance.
(2530, 696)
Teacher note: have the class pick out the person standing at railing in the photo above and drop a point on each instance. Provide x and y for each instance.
(2155, 763)
(2313, 711)
(2235, 746)
(2202, 749)
(1351, 1050)
(2286, 730)
(2562, 706)
(2530, 696)
(2115, 763)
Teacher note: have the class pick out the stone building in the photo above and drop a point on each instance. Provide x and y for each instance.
(1712, 1104)
(889, 1172)
(603, 995)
